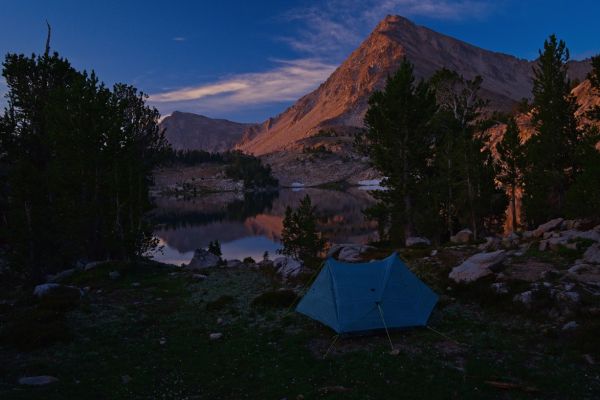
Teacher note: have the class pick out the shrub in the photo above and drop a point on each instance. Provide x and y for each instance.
(300, 238)
(61, 299)
(220, 303)
(275, 299)
(35, 328)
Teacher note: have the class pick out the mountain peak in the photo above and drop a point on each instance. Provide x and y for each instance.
(394, 22)
(342, 99)
(189, 131)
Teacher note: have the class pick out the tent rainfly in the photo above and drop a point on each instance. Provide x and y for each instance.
(368, 296)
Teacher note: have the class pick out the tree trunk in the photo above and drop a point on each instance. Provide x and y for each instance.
(408, 226)
(514, 207)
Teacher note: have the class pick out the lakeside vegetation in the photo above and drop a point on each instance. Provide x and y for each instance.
(238, 166)
(78, 159)
(428, 139)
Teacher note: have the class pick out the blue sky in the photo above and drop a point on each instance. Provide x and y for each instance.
(248, 60)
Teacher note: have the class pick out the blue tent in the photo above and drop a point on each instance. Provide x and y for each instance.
(367, 296)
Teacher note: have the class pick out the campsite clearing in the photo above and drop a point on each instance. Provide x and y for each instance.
(151, 340)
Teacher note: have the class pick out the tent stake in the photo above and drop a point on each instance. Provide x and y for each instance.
(384, 325)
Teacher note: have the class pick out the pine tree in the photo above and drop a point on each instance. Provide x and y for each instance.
(583, 197)
(510, 153)
(215, 248)
(399, 140)
(550, 152)
(299, 237)
(594, 77)
(77, 157)
(463, 166)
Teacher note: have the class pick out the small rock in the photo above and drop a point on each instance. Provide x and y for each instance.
(572, 297)
(37, 380)
(491, 243)
(592, 234)
(524, 298)
(203, 259)
(93, 264)
(287, 266)
(219, 321)
(527, 234)
(549, 275)
(477, 266)
(434, 253)
(589, 359)
(136, 284)
(462, 237)
(570, 326)
(162, 341)
(395, 352)
(576, 268)
(543, 245)
(592, 254)
(556, 242)
(43, 289)
(61, 276)
(351, 252)
(125, 379)
(414, 241)
(199, 277)
(46, 289)
(215, 336)
(548, 226)
(500, 287)
(114, 275)
(233, 263)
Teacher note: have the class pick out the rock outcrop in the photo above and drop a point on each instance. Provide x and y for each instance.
(348, 252)
(462, 237)
(287, 267)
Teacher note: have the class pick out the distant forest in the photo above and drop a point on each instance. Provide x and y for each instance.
(239, 166)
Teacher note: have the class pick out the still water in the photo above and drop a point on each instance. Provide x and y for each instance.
(247, 225)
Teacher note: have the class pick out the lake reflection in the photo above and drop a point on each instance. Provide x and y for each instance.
(248, 225)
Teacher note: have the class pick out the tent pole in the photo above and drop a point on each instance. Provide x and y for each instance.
(335, 338)
(384, 325)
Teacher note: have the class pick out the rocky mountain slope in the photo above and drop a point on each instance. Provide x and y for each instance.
(187, 131)
(586, 99)
(341, 100)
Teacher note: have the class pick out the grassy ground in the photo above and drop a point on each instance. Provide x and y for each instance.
(146, 335)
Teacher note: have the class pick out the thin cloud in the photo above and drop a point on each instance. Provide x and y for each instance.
(335, 27)
(287, 82)
(198, 92)
(179, 39)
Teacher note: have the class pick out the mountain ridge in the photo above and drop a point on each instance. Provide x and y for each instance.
(189, 131)
(342, 99)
